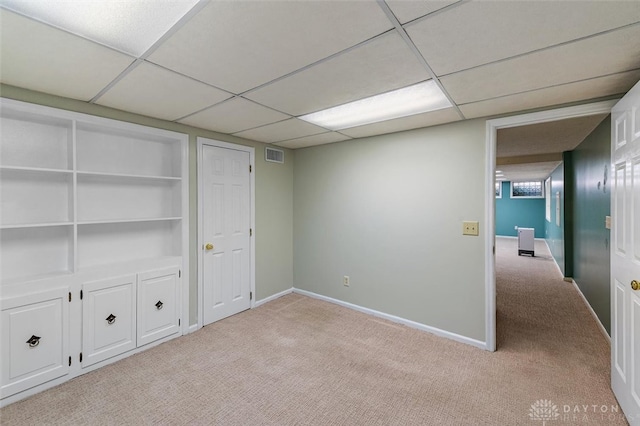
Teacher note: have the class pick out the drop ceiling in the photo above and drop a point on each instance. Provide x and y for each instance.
(251, 68)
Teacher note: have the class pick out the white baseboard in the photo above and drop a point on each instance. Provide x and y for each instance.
(272, 297)
(593, 313)
(193, 328)
(393, 318)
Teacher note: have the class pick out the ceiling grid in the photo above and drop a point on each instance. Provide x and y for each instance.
(251, 69)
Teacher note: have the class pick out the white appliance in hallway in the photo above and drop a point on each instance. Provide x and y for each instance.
(526, 241)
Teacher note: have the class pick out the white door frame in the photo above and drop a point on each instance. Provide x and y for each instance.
(490, 161)
(252, 247)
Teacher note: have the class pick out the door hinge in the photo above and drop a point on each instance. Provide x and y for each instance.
(250, 232)
(80, 357)
(69, 296)
(250, 168)
(250, 295)
(69, 361)
(81, 295)
(179, 273)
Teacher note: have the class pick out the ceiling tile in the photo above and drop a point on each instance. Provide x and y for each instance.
(566, 93)
(408, 10)
(406, 123)
(321, 139)
(233, 116)
(530, 171)
(240, 45)
(613, 52)
(129, 26)
(75, 68)
(381, 65)
(545, 138)
(156, 92)
(281, 131)
(477, 33)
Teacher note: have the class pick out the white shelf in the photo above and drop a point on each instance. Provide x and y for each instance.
(35, 225)
(128, 176)
(35, 170)
(105, 198)
(151, 219)
(35, 140)
(99, 244)
(35, 198)
(29, 252)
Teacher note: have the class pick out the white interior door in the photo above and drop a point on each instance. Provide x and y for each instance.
(226, 226)
(625, 254)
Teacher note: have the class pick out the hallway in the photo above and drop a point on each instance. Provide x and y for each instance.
(543, 320)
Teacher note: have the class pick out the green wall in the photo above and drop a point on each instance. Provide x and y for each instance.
(274, 195)
(592, 202)
(382, 211)
(520, 212)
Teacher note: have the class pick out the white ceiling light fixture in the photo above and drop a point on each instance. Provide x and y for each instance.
(411, 100)
(131, 26)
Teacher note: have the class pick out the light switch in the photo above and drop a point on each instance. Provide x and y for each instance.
(470, 228)
(607, 222)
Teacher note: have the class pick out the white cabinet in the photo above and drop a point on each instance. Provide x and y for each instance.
(96, 206)
(35, 339)
(158, 309)
(108, 318)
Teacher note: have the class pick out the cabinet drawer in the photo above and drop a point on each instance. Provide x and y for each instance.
(158, 304)
(35, 340)
(108, 318)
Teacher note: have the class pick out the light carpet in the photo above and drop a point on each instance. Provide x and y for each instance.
(301, 361)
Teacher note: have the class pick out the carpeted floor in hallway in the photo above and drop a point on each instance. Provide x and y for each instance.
(300, 361)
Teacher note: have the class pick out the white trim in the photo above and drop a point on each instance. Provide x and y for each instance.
(393, 318)
(185, 244)
(193, 328)
(200, 142)
(603, 107)
(490, 240)
(272, 297)
(593, 313)
(555, 262)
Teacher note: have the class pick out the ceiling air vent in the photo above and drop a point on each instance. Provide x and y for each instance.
(274, 155)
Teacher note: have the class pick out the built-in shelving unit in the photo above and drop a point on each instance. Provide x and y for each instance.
(84, 199)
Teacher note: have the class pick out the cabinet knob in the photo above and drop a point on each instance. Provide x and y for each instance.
(159, 305)
(33, 341)
(635, 285)
(208, 246)
(111, 319)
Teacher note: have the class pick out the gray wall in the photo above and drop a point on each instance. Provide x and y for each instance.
(387, 211)
(274, 195)
(592, 202)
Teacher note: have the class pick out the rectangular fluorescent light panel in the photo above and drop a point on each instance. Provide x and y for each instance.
(411, 100)
(130, 26)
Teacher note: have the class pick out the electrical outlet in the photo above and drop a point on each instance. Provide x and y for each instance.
(345, 281)
(470, 228)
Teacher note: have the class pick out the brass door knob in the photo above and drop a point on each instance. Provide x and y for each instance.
(635, 285)
(208, 246)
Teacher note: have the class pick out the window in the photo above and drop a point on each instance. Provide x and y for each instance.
(531, 189)
(547, 199)
(499, 189)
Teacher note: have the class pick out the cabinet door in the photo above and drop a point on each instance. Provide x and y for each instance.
(108, 318)
(35, 340)
(158, 304)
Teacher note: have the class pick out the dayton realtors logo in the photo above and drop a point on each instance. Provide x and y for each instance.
(544, 410)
